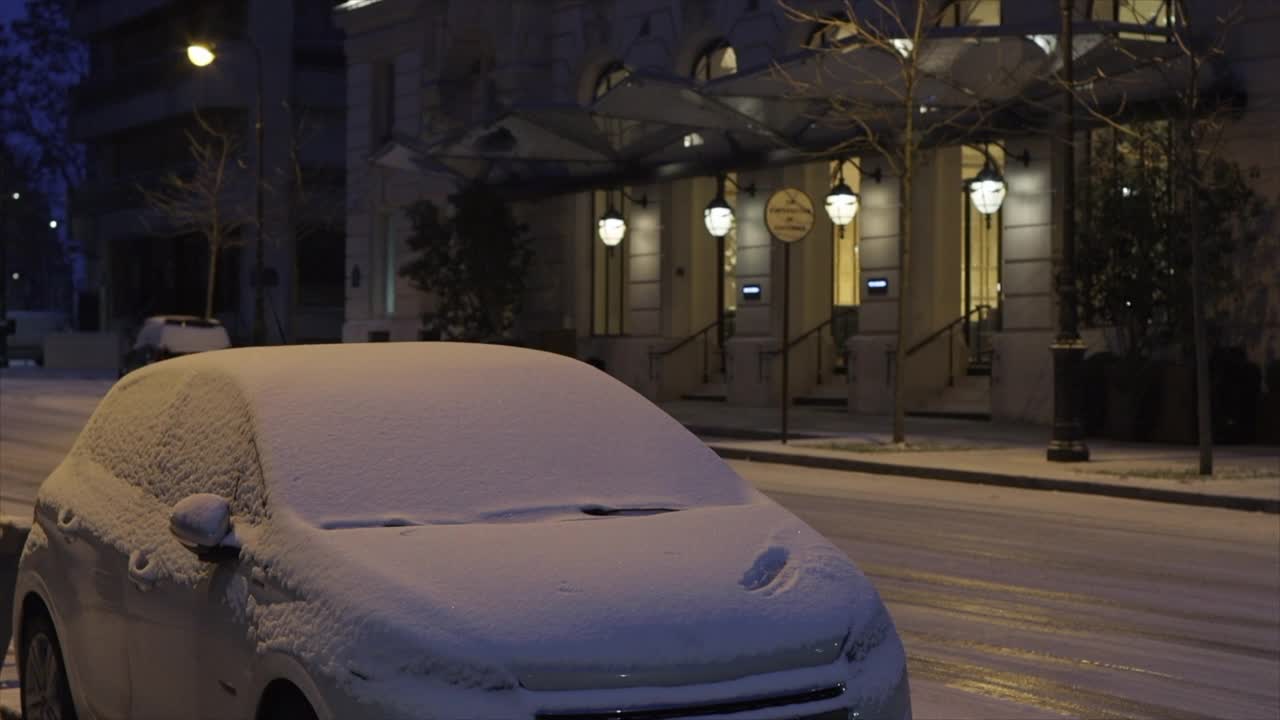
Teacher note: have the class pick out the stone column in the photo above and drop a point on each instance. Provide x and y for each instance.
(1022, 369)
(871, 349)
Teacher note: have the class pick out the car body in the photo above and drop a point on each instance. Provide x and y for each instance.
(431, 530)
(166, 336)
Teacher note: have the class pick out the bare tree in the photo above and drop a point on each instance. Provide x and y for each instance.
(1177, 111)
(207, 197)
(886, 80)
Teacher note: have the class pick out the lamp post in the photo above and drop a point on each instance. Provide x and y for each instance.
(718, 217)
(202, 55)
(1067, 442)
(611, 228)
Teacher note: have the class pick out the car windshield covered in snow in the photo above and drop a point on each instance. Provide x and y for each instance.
(424, 433)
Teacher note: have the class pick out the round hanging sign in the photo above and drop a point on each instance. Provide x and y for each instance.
(789, 214)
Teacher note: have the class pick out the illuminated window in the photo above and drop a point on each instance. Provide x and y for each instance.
(1139, 12)
(832, 33)
(971, 12)
(610, 78)
(616, 129)
(608, 299)
(389, 257)
(717, 61)
(844, 247)
(982, 275)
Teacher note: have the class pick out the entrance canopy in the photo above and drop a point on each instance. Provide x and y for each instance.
(973, 82)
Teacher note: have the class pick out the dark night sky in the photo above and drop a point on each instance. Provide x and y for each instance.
(11, 9)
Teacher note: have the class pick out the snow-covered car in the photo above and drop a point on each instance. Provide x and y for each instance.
(427, 530)
(165, 336)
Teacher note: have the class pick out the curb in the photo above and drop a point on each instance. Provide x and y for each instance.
(1026, 482)
(722, 433)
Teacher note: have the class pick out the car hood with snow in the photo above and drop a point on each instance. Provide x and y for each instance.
(574, 601)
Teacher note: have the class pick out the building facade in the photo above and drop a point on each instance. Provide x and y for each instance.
(135, 113)
(656, 107)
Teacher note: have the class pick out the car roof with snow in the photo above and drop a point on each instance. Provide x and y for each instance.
(183, 334)
(433, 432)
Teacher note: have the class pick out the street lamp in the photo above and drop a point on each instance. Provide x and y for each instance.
(842, 204)
(611, 227)
(718, 217)
(987, 190)
(53, 224)
(202, 55)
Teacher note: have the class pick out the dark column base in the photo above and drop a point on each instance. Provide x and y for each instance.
(1068, 443)
(1067, 452)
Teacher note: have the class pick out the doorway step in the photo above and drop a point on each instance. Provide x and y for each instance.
(968, 399)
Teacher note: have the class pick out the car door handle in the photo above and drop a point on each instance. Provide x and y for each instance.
(142, 571)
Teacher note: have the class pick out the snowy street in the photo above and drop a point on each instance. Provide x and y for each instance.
(1011, 603)
(1027, 603)
(39, 420)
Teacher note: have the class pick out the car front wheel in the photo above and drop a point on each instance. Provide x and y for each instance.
(46, 694)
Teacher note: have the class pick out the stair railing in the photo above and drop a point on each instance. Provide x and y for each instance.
(657, 357)
(949, 330)
(814, 332)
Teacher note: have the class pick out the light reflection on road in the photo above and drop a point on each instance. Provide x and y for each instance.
(1033, 604)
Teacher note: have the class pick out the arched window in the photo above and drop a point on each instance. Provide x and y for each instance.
(1139, 12)
(610, 78)
(617, 130)
(716, 61)
(971, 12)
(831, 33)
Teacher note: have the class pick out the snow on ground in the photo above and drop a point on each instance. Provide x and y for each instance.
(40, 417)
(1025, 603)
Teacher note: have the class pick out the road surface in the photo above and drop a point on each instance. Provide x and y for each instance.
(1028, 603)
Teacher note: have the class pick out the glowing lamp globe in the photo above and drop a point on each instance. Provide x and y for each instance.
(987, 191)
(718, 217)
(842, 204)
(200, 55)
(611, 228)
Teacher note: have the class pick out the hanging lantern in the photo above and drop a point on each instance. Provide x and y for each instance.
(718, 217)
(987, 190)
(612, 227)
(842, 204)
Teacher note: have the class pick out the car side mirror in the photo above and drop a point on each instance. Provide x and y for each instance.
(202, 522)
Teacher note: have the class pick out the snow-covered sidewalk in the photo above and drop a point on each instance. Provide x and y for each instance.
(1245, 477)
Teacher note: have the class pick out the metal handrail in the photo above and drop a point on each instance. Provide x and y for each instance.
(703, 333)
(938, 333)
(949, 330)
(805, 336)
